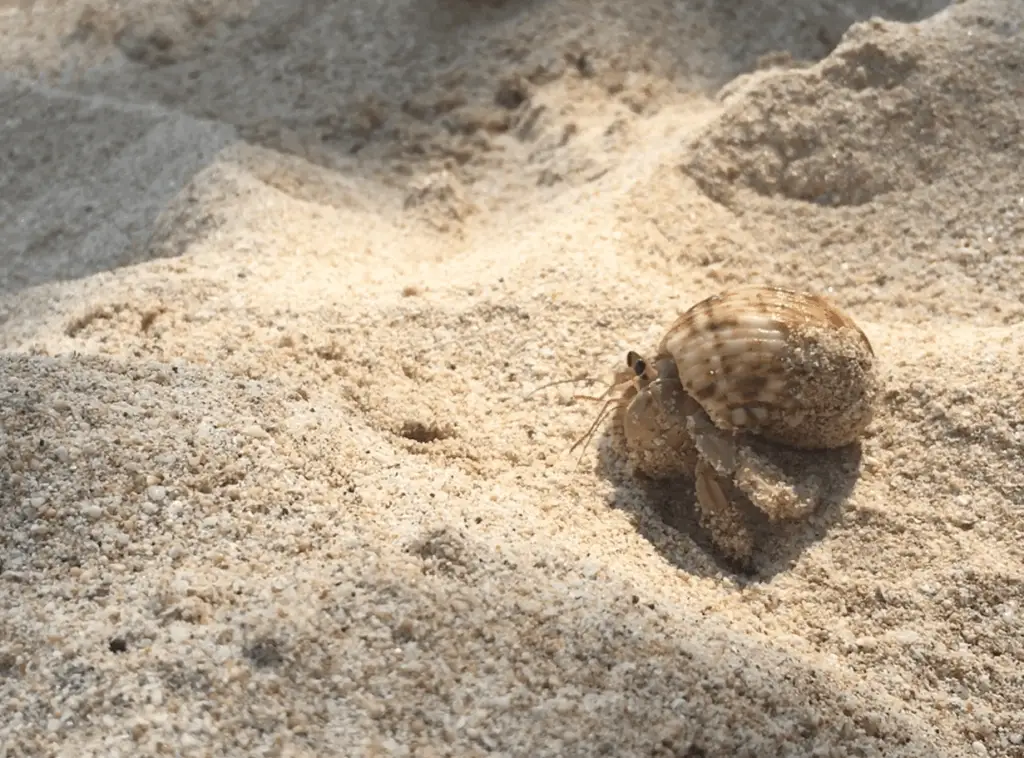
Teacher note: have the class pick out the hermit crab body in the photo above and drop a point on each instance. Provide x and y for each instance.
(741, 383)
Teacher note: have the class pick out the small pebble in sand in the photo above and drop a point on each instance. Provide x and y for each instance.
(255, 431)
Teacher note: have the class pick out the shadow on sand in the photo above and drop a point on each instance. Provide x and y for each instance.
(665, 511)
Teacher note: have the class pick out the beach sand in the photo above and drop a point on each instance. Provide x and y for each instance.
(282, 283)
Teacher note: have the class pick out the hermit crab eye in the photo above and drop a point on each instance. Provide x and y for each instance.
(635, 362)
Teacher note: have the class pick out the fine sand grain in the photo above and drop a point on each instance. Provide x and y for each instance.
(280, 284)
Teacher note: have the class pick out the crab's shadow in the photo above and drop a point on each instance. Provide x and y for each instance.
(665, 511)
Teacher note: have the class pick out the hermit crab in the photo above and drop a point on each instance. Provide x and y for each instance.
(743, 389)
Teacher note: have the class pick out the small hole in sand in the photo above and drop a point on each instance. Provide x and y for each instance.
(264, 653)
(117, 645)
(421, 432)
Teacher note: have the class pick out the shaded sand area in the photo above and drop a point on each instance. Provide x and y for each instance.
(280, 282)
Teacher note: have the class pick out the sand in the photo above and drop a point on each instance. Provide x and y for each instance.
(282, 283)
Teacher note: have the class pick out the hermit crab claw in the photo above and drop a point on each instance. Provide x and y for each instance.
(654, 421)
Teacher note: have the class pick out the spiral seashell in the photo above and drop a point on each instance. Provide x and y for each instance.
(788, 366)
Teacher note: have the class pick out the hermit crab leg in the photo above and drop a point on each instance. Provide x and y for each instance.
(720, 516)
(620, 379)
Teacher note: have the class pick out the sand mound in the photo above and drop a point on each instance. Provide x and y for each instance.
(885, 112)
(282, 286)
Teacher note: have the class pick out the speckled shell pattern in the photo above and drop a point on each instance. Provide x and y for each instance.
(789, 366)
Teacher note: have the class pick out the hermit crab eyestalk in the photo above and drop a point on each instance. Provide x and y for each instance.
(636, 362)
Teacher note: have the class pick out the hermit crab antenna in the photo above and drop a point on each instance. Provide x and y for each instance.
(635, 367)
(590, 432)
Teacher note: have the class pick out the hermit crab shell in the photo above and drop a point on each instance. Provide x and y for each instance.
(788, 366)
